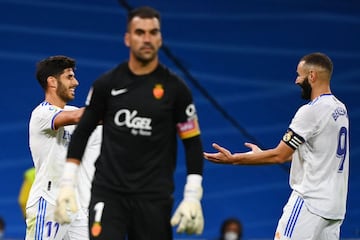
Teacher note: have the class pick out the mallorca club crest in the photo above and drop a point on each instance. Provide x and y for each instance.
(158, 91)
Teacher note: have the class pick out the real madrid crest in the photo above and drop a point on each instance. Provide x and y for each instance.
(287, 136)
(158, 91)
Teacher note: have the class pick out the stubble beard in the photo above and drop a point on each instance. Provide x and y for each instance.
(145, 59)
(63, 93)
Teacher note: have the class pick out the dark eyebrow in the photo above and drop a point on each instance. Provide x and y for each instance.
(70, 75)
(155, 30)
(140, 30)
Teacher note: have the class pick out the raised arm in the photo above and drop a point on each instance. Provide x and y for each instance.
(68, 117)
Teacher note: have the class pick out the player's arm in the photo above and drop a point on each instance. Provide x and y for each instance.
(188, 215)
(282, 153)
(193, 154)
(68, 117)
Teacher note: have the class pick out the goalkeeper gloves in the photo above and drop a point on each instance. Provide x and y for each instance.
(188, 216)
(66, 202)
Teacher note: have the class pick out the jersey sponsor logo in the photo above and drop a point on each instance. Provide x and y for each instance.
(129, 119)
(115, 92)
(158, 91)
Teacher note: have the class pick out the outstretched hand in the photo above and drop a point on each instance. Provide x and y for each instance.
(223, 155)
(254, 148)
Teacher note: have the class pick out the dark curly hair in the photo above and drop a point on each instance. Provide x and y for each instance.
(52, 66)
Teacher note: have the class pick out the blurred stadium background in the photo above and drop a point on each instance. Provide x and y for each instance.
(238, 57)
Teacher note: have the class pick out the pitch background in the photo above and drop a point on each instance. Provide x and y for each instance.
(242, 53)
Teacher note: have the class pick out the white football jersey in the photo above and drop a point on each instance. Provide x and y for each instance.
(320, 165)
(49, 148)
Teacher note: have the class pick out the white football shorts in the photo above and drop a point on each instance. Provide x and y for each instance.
(298, 223)
(40, 224)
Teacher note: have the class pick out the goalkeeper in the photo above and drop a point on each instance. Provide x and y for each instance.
(143, 107)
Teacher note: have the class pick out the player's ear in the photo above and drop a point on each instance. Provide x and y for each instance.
(160, 45)
(312, 75)
(52, 82)
(127, 39)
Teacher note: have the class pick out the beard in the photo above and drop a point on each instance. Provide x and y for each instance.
(62, 92)
(146, 57)
(306, 89)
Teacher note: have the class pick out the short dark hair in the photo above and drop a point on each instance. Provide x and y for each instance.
(229, 221)
(52, 66)
(319, 59)
(142, 12)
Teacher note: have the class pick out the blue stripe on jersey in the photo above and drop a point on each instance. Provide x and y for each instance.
(40, 219)
(45, 103)
(316, 99)
(53, 120)
(293, 217)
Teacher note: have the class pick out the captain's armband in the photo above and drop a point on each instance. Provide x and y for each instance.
(292, 139)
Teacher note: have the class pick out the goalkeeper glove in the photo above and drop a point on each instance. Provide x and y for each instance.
(66, 202)
(189, 214)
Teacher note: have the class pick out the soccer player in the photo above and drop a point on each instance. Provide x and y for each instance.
(143, 107)
(317, 142)
(50, 128)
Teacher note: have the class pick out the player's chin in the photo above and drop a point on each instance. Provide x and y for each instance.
(147, 56)
(70, 97)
